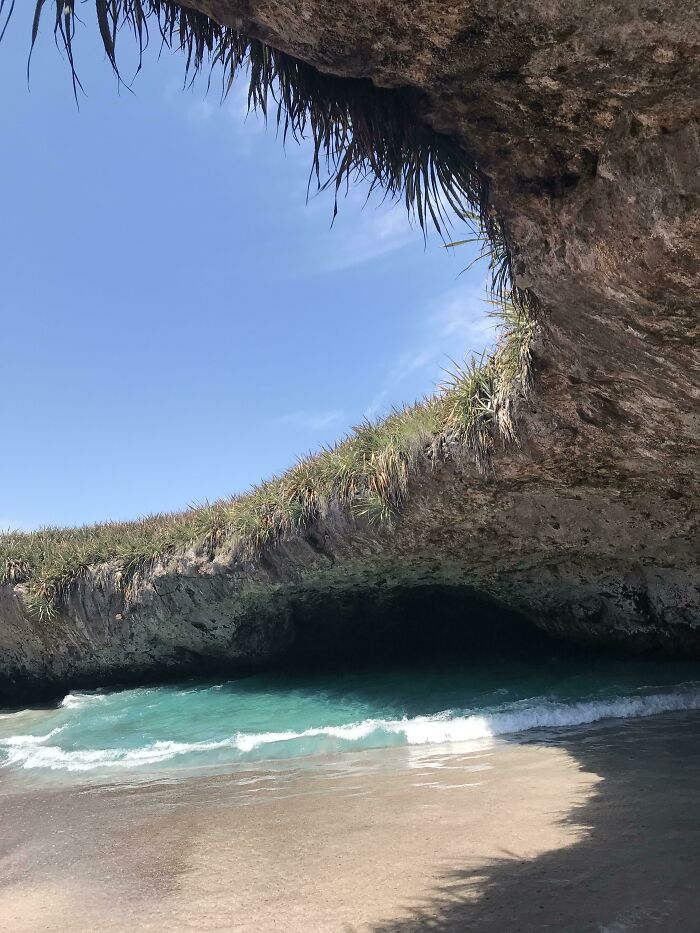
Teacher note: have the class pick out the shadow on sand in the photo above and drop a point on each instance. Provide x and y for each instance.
(635, 868)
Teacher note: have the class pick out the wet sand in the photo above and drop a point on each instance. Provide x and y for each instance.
(597, 830)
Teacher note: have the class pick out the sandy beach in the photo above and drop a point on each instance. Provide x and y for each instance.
(597, 830)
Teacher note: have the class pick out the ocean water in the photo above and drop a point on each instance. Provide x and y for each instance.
(296, 717)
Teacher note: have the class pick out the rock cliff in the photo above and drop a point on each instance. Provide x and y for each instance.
(584, 116)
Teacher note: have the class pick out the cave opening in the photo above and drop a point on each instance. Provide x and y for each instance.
(449, 653)
(412, 625)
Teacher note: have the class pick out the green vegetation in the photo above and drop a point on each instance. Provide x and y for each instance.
(366, 473)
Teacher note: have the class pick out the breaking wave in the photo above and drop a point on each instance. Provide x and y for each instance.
(28, 751)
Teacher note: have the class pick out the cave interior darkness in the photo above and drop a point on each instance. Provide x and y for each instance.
(414, 625)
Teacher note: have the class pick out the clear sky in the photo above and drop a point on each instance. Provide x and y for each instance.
(177, 321)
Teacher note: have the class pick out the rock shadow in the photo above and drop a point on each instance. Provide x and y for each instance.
(634, 868)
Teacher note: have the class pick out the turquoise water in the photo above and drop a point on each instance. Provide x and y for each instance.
(280, 717)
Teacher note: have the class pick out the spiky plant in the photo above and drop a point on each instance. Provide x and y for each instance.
(482, 395)
(470, 390)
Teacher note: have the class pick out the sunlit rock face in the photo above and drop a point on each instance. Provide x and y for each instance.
(585, 118)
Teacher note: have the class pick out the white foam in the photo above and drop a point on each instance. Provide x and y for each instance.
(350, 733)
(447, 727)
(30, 739)
(74, 700)
(30, 751)
(31, 755)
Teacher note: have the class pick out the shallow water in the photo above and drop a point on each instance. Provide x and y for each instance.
(291, 717)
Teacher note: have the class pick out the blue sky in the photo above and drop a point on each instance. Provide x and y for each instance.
(178, 323)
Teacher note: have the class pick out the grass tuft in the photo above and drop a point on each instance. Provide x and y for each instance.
(482, 395)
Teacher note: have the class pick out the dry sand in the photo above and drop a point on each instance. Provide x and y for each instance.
(596, 831)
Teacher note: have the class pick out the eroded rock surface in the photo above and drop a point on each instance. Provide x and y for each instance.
(585, 117)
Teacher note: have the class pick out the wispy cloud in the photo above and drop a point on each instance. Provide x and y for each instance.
(309, 420)
(362, 232)
(456, 326)
(383, 233)
(200, 110)
(204, 108)
(462, 319)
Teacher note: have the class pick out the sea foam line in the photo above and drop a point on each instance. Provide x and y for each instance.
(75, 700)
(448, 727)
(31, 752)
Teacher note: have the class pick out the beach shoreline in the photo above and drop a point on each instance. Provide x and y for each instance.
(597, 828)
